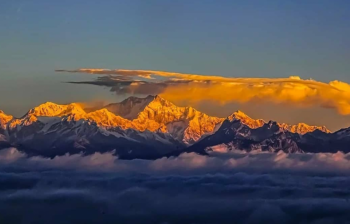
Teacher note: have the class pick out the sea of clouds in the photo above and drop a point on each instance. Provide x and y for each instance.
(230, 187)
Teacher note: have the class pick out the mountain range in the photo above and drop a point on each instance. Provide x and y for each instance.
(153, 127)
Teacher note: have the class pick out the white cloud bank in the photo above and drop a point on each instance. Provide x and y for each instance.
(187, 163)
(226, 188)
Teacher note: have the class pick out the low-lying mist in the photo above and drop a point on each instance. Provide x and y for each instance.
(230, 187)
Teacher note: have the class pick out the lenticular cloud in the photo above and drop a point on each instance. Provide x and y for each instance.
(178, 86)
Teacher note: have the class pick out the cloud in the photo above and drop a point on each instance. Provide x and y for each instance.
(177, 87)
(186, 163)
(236, 187)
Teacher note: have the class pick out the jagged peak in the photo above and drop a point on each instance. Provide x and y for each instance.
(148, 98)
(153, 112)
(50, 109)
(157, 97)
(5, 117)
(245, 119)
(271, 123)
(131, 107)
(3, 114)
(312, 126)
(324, 129)
(106, 118)
(302, 128)
(157, 101)
(160, 105)
(238, 115)
(134, 98)
(102, 113)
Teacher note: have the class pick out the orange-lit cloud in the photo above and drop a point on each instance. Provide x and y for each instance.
(194, 88)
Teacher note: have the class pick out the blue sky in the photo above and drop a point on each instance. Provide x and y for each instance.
(223, 37)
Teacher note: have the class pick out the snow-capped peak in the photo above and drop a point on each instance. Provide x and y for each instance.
(152, 113)
(238, 114)
(130, 107)
(245, 119)
(302, 128)
(50, 109)
(4, 119)
(155, 113)
(184, 123)
(159, 102)
(105, 118)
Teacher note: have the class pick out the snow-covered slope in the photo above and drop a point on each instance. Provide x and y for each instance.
(156, 114)
(240, 132)
(4, 120)
(300, 128)
(147, 128)
(158, 128)
(51, 129)
(130, 107)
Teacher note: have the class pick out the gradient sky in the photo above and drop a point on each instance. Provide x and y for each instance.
(223, 37)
